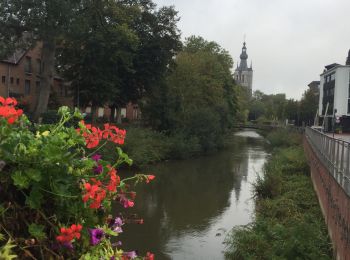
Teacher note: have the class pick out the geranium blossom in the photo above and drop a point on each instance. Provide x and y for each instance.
(68, 234)
(93, 135)
(8, 110)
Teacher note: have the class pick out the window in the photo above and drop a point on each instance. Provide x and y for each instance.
(11, 80)
(17, 81)
(37, 87)
(27, 87)
(3, 79)
(28, 65)
(333, 76)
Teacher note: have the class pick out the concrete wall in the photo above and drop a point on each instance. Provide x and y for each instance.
(341, 92)
(334, 202)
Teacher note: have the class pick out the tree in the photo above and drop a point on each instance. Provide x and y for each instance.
(119, 50)
(25, 22)
(198, 97)
(98, 51)
(308, 106)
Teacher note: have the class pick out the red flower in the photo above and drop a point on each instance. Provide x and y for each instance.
(68, 234)
(95, 193)
(149, 256)
(150, 178)
(93, 135)
(114, 179)
(8, 110)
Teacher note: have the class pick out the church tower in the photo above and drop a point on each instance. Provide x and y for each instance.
(244, 75)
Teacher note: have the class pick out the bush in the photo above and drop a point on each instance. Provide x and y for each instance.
(284, 137)
(56, 192)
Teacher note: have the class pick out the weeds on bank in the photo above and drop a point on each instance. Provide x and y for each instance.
(289, 222)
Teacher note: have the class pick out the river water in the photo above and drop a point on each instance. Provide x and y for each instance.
(192, 204)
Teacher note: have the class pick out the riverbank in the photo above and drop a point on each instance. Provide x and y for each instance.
(288, 223)
(146, 146)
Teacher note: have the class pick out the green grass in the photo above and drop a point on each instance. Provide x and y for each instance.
(289, 223)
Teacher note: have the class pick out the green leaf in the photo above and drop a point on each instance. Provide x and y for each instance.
(37, 231)
(34, 174)
(34, 199)
(20, 180)
(110, 232)
(6, 251)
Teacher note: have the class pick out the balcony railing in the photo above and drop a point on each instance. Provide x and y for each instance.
(334, 153)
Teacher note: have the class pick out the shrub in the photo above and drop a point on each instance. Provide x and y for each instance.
(56, 192)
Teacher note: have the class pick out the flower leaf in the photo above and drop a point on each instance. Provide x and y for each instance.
(37, 231)
(20, 180)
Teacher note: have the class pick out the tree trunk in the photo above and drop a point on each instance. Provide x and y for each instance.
(48, 64)
(112, 116)
(94, 113)
(119, 115)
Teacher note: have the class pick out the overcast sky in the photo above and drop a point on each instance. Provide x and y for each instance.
(289, 41)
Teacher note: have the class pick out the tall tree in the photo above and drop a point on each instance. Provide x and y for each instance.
(98, 51)
(199, 94)
(25, 22)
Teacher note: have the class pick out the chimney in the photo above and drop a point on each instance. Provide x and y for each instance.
(348, 59)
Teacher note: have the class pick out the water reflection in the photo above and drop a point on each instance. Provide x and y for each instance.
(192, 203)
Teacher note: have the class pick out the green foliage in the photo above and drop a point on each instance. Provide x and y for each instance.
(198, 97)
(289, 222)
(48, 170)
(117, 50)
(277, 108)
(6, 252)
(37, 231)
(284, 137)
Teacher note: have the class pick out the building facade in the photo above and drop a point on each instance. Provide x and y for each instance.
(334, 100)
(20, 76)
(244, 75)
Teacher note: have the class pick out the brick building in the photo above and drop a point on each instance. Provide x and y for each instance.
(20, 76)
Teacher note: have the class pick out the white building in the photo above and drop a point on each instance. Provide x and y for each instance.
(244, 75)
(335, 91)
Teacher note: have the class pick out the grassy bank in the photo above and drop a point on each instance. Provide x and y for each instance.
(289, 223)
(146, 146)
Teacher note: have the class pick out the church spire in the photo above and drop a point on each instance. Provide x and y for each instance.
(243, 57)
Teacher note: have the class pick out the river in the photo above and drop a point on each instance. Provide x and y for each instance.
(192, 204)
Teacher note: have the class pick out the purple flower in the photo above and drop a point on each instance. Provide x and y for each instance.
(96, 235)
(96, 157)
(116, 226)
(98, 169)
(118, 229)
(118, 222)
(112, 258)
(119, 243)
(131, 254)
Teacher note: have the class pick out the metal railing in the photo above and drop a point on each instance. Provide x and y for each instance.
(334, 153)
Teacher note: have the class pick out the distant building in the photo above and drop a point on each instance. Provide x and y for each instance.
(244, 75)
(314, 86)
(20, 76)
(334, 100)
